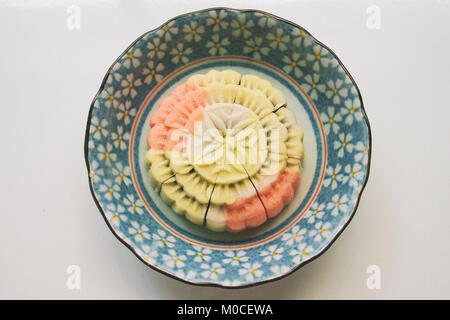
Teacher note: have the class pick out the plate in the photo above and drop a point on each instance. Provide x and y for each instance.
(320, 92)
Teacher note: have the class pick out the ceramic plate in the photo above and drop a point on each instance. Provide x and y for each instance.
(320, 92)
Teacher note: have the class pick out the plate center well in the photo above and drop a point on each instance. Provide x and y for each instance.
(313, 141)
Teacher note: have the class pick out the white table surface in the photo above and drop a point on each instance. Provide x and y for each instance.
(49, 75)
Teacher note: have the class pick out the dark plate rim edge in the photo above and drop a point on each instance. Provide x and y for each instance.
(213, 284)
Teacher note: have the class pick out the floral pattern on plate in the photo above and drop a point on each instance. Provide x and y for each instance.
(227, 32)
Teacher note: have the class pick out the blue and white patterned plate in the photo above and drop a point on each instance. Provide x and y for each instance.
(320, 92)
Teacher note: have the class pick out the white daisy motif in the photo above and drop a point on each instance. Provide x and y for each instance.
(278, 40)
(217, 46)
(322, 231)
(133, 205)
(163, 239)
(148, 253)
(113, 75)
(172, 259)
(152, 72)
(200, 254)
(167, 31)
(111, 97)
(349, 81)
(331, 120)
(126, 112)
(272, 252)
(319, 57)
(334, 177)
(129, 85)
(354, 174)
(312, 86)
(217, 20)
(352, 110)
(139, 232)
(343, 144)
(301, 253)
(334, 63)
(98, 128)
(251, 270)
(109, 190)
(156, 48)
(189, 274)
(119, 138)
(96, 104)
(293, 64)
(105, 153)
(362, 152)
(241, 26)
(180, 53)
(115, 214)
(338, 204)
(212, 271)
(235, 258)
(277, 269)
(122, 174)
(300, 36)
(336, 91)
(193, 31)
(315, 212)
(295, 234)
(254, 47)
(131, 58)
(122, 236)
(231, 283)
(95, 173)
(265, 20)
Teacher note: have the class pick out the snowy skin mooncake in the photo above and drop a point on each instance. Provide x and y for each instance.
(225, 151)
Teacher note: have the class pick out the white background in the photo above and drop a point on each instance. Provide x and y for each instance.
(49, 75)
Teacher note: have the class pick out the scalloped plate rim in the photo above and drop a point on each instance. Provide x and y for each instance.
(302, 263)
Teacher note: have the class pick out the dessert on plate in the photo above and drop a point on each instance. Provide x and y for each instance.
(225, 151)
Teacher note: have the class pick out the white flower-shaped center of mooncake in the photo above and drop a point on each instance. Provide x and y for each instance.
(229, 144)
